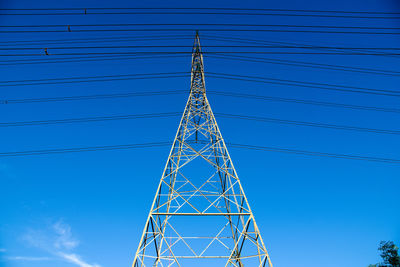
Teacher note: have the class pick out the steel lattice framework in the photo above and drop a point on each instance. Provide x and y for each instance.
(200, 214)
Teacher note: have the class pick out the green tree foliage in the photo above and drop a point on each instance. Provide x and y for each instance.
(390, 255)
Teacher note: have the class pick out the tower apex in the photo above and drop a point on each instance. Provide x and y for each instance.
(197, 73)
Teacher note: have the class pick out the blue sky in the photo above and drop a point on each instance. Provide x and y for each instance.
(88, 209)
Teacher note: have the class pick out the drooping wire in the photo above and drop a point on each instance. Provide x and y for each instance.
(307, 64)
(344, 53)
(223, 115)
(90, 119)
(216, 56)
(102, 78)
(270, 80)
(102, 39)
(235, 145)
(209, 8)
(204, 47)
(362, 32)
(188, 11)
(212, 92)
(89, 97)
(83, 59)
(340, 88)
(198, 24)
(269, 42)
(314, 153)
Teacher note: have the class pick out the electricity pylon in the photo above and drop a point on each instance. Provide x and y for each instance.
(200, 215)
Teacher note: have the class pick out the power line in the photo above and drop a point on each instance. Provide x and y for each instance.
(81, 149)
(302, 82)
(201, 29)
(304, 101)
(83, 59)
(350, 89)
(236, 145)
(205, 46)
(221, 93)
(205, 8)
(307, 64)
(155, 37)
(325, 86)
(254, 41)
(314, 153)
(307, 123)
(204, 52)
(218, 56)
(91, 77)
(224, 115)
(85, 11)
(88, 97)
(264, 42)
(103, 78)
(91, 119)
(96, 39)
(71, 26)
(223, 56)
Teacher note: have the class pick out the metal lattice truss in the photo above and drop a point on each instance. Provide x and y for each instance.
(200, 214)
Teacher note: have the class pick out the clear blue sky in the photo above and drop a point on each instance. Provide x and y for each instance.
(88, 209)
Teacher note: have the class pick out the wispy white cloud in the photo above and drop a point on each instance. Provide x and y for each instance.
(38, 239)
(20, 258)
(64, 239)
(73, 258)
(58, 241)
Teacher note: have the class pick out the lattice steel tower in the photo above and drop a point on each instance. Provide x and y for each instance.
(200, 215)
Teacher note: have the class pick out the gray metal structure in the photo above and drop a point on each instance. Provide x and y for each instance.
(200, 215)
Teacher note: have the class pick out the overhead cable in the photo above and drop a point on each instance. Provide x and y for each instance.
(212, 92)
(163, 11)
(236, 145)
(207, 8)
(366, 32)
(223, 115)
